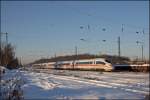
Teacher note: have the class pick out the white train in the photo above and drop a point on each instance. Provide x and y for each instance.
(85, 64)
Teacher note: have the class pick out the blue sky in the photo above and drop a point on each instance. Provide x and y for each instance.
(43, 28)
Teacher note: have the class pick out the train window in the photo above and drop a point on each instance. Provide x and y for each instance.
(91, 62)
(99, 62)
(66, 64)
(84, 63)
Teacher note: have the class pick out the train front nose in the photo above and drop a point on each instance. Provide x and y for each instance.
(110, 67)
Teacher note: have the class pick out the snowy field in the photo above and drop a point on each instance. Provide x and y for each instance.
(63, 84)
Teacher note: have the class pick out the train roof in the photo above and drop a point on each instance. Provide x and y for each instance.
(96, 59)
(51, 62)
(91, 59)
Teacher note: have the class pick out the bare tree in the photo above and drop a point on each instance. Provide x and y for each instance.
(8, 58)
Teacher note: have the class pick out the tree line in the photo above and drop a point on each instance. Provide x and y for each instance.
(7, 56)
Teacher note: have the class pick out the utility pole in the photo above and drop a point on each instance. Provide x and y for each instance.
(76, 54)
(6, 48)
(142, 47)
(122, 29)
(76, 51)
(119, 49)
(119, 53)
(142, 53)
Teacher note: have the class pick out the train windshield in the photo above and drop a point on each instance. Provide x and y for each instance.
(108, 61)
(99, 62)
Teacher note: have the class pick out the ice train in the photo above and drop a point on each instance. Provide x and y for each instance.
(84, 64)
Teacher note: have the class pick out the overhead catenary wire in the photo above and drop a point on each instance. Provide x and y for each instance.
(111, 21)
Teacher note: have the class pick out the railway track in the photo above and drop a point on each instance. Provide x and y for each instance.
(103, 83)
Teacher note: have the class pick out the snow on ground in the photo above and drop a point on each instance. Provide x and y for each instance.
(65, 84)
(10, 81)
